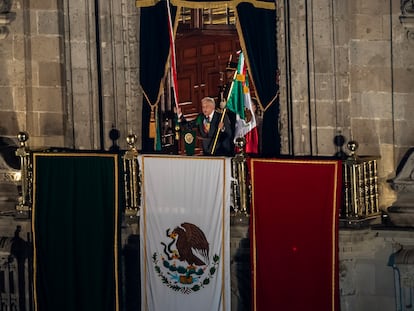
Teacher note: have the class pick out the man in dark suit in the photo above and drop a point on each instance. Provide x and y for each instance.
(211, 123)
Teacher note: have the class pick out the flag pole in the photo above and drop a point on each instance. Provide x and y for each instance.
(173, 65)
(213, 149)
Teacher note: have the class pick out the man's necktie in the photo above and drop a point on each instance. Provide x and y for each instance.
(206, 124)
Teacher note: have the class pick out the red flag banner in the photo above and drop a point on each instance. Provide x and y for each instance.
(295, 208)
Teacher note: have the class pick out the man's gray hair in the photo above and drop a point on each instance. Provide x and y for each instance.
(209, 100)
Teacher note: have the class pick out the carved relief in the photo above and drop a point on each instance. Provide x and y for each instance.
(407, 17)
(401, 212)
(5, 6)
(5, 17)
(404, 180)
(402, 262)
(407, 7)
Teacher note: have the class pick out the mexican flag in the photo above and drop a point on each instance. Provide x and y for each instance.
(185, 233)
(239, 101)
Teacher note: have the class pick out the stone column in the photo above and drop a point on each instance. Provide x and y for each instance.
(101, 71)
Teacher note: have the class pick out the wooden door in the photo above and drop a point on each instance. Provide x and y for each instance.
(201, 63)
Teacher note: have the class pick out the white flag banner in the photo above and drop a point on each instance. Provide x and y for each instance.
(185, 233)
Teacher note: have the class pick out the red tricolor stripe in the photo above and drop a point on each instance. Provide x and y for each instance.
(172, 55)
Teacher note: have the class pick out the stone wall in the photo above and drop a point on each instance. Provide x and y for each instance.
(366, 280)
(66, 82)
(101, 71)
(346, 69)
(31, 81)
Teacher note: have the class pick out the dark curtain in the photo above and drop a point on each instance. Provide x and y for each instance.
(75, 228)
(154, 50)
(259, 36)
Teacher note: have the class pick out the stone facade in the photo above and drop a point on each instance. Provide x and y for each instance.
(50, 86)
(347, 68)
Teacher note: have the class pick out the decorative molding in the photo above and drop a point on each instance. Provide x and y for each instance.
(5, 6)
(6, 18)
(407, 17)
(402, 262)
(401, 212)
(7, 173)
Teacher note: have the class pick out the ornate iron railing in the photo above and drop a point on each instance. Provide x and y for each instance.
(360, 195)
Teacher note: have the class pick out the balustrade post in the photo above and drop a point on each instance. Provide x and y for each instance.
(240, 185)
(360, 188)
(25, 200)
(132, 178)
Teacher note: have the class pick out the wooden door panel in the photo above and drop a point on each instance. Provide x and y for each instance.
(185, 83)
(211, 77)
(201, 64)
(213, 85)
(226, 46)
(188, 87)
(208, 51)
(188, 55)
(206, 67)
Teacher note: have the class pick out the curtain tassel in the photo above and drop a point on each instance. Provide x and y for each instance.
(152, 130)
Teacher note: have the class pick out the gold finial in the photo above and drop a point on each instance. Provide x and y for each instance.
(353, 146)
(240, 142)
(22, 137)
(132, 151)
(131, 140)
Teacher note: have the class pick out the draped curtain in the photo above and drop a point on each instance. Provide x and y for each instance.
(294, 234)
(258, 35)
(154, 51)
(257, 32)
(75, 231)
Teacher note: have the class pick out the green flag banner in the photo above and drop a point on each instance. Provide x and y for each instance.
(235, 100)
(75, 231)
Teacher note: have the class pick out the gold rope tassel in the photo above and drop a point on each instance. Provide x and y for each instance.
(152, 130)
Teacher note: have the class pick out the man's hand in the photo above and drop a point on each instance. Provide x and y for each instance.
(221, 126)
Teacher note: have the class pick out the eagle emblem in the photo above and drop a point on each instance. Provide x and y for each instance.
(188, 138)
(184, 264)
